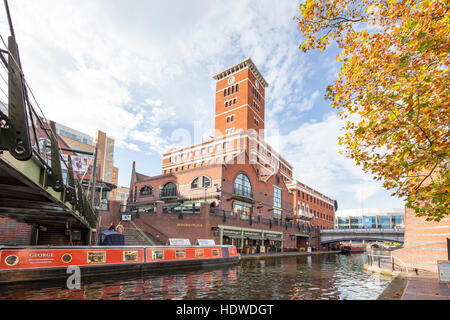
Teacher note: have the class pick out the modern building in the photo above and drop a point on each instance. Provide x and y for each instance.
(82, 163)
(245, 182)
(369, 218)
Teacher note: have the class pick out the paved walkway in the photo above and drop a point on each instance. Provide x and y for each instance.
(423, 286)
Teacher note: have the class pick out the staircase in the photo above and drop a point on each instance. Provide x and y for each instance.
(135, 236)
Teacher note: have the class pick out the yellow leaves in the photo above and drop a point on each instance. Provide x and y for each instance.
(395, 78)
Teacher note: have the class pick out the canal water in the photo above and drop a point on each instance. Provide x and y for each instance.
(328, 276)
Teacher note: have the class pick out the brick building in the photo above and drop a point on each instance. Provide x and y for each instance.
(238, 175)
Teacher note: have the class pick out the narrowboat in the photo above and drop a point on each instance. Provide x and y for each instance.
(51, 262)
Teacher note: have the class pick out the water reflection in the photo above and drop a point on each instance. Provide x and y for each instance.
(297, 278)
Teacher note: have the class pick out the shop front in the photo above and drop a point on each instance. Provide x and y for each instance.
(273, 241)
(251, 241)
(302, 241)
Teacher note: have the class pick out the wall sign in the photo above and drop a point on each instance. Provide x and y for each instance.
(444, 271)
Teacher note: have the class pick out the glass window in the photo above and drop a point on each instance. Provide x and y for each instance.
(197, 152)
(397, 220)
(242, 186)
(237, 87)
(343, 222)
(169, 190)
(356, 222)
(157, 254)
(225, 145)
(180, 254)
(277, 213)
(203, 150)
(217, 147)
(210, 149)
(277, 197)
(383, 222)
(145, 191)
(206, 182)
(194, 183)
(370, 222)
(199, 253)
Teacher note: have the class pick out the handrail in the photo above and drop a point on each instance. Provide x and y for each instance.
(391, 258)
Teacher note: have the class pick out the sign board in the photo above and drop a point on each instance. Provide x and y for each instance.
(178, 242)
(205, 242)
(309, 249)
(444, 270)
(126, 217)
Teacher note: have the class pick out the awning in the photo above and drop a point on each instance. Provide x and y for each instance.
(254, 237)
(274, 238)
(302, 235)
(234, 236)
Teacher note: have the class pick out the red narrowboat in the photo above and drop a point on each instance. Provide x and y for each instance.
(49, 262)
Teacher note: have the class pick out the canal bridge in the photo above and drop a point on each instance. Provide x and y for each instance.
(343, 235)
(37, 185)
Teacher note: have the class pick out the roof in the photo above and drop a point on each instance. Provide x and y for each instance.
(239, 66)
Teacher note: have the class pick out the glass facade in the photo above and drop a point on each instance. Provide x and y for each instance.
(397, 220)
(384, 222)
(370, 222)
(356, 222)
(343, 222)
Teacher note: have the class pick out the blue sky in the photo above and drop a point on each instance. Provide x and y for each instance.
(142, 72)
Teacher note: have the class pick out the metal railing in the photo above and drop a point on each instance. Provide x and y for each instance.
(371, 230)
(26, 132)
(386, 262)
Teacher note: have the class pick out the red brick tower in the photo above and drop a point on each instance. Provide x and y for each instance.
(240, 99)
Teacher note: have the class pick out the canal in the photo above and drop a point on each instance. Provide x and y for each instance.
(328, 276)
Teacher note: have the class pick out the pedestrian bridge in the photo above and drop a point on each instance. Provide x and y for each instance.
(342, 235)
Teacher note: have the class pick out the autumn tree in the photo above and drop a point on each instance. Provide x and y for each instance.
(392, 91)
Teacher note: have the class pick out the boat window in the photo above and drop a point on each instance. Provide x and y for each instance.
(180, 254)
(199, 253)
(215, 252)
(96, 257)
(130, 256)
(11, 260)
(157, 254)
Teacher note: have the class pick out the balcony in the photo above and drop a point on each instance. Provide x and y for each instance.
(305, 214)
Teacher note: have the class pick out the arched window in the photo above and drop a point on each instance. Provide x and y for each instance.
(242, 186)
(194, 183)
(169, 190)
(206, 182)
(145, 191)
(199, 182)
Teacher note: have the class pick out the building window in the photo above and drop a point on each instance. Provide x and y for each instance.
(277, 213)
(225, 145)
(217, 147)
(145, 191)
(194, 184)
(237, 87)
(169, 190)
(203, 150)
(277, 197)
(206, 182)
(226, 104)
(210, 149)
(242, 186)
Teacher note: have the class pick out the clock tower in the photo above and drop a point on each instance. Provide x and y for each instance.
(240, 99)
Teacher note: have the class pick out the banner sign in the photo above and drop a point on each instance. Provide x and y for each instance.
(79, 164)
(444, 271)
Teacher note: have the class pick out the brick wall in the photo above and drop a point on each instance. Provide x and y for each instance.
(425, 242)
(14, 233)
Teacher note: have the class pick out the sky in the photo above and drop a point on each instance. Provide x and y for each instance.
(141, 71)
